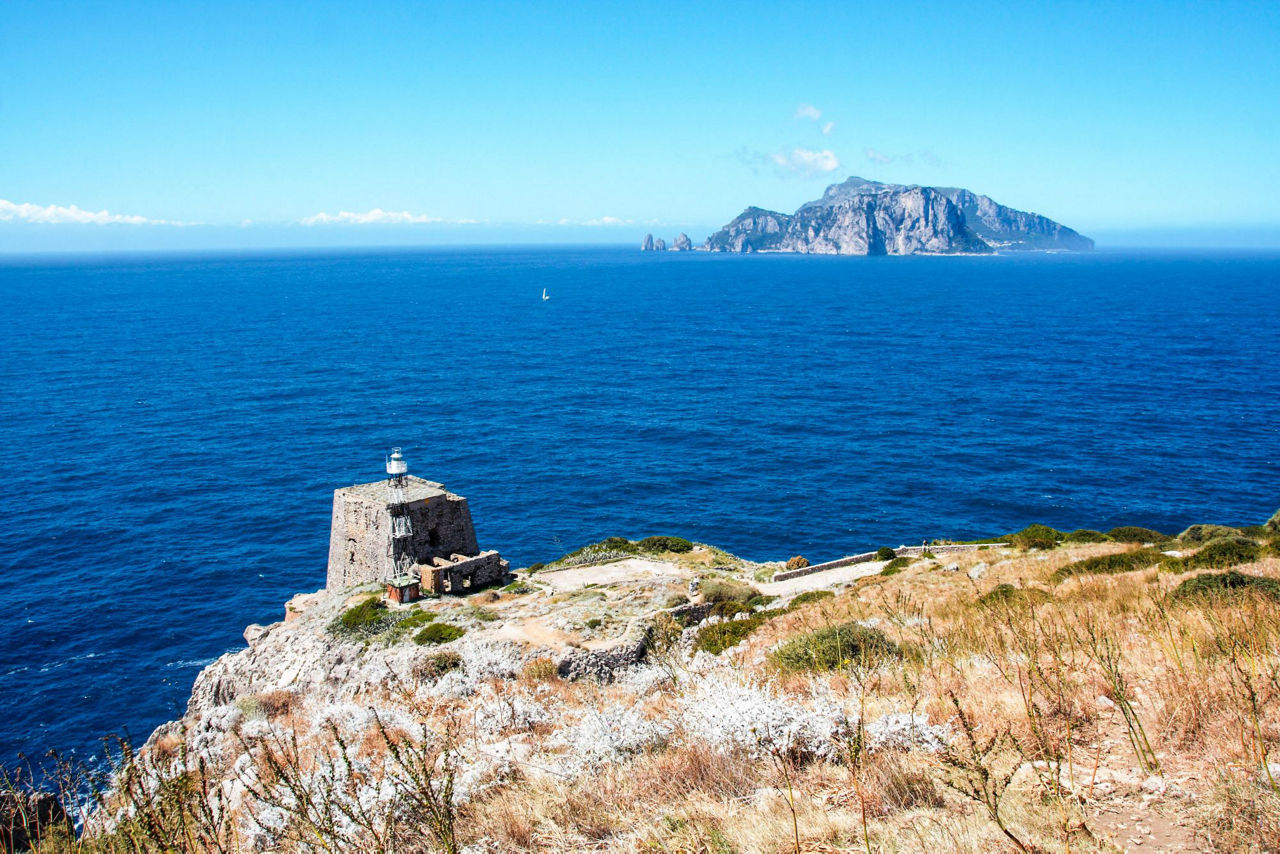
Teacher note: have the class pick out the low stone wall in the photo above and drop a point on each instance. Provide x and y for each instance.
(470, 573)
(602, 664)
(868, 557)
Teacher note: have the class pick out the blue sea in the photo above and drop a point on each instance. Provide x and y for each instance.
(172, 427)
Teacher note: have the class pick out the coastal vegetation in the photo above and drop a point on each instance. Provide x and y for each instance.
(1075, 697)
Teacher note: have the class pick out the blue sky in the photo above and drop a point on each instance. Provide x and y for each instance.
(259, 124)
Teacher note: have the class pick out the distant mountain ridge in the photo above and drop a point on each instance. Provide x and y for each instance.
(861, 217)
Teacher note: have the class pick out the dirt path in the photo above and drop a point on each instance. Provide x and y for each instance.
(618, 572)
(820, 580)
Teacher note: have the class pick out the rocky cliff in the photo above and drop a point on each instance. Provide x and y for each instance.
(860, 217)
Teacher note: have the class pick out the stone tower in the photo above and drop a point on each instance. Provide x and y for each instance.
(442, 545)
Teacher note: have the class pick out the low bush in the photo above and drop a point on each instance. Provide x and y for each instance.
(1217, 584)
(436, 665)
(540, 670)
(797, 562)
(537, 567)
(481, 614)
(896, 565)
(834, 647)
(811, 596)
(519, 588)
(1086, 535)
(1224, 553)
(675, 600)
(1006, 595)
(1134, 534)
(729, 609)
(1205, 533)
(718, 637)
(594, 623)
(885, 553)
(1035, 537)
(1110, 564)
(438, 633)
(658, 545)
(726, 590)
(416, 619)
(364, 621)
(1273, 524)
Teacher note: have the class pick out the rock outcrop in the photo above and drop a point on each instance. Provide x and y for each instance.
(860, 217)
(682, 243)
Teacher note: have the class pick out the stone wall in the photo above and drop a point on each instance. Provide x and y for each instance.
(465, 575)
(360, 539)
(868, 557)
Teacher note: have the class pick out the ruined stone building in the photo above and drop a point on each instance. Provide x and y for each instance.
(442, 546)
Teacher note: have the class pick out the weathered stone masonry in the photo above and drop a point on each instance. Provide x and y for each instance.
(443, 545)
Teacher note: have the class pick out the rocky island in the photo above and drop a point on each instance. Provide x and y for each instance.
(861, 217)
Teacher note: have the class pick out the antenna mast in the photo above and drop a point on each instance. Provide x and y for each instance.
(400, 562)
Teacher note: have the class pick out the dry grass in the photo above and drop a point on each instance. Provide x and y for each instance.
(1100, 696)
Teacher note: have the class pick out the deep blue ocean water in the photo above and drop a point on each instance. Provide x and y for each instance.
(171, 428)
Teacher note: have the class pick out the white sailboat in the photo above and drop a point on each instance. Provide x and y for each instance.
(544, 295)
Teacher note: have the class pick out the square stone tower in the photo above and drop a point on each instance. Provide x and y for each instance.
(443, 544)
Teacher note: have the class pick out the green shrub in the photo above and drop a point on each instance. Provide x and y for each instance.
(716, 638)
(1224, 553)
(896, 565)
(759, 600)
(364, 620)
(1035, 537)
(1086, 535)
(1134, 534)
(726, 590)
(928, 556)
(885, 553)
(438, 633)
(797, 562)
(658, 545)
(519, 588)
(417, 618)
(1217, 584)
(483, 615)
(1110, 564)
(811, 596)
(1205, 533)
(834, 647)
(675, 600)
(1006, 595)
(729, 609)
(1273, 524)
(537, 567)
(594, 623)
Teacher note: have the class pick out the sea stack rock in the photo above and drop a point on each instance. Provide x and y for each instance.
(659, 245)
(646, 245)
(682, 243)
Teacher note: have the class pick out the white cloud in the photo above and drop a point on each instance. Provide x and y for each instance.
(808, 111)
(70, 214)
(876, 156)
(806, 161)
(377, 216)
(596, 222)
(828, 128)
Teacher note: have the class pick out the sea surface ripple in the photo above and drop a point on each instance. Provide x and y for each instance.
(173, 426)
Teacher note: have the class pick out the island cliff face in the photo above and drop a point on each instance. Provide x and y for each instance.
(860, 217)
